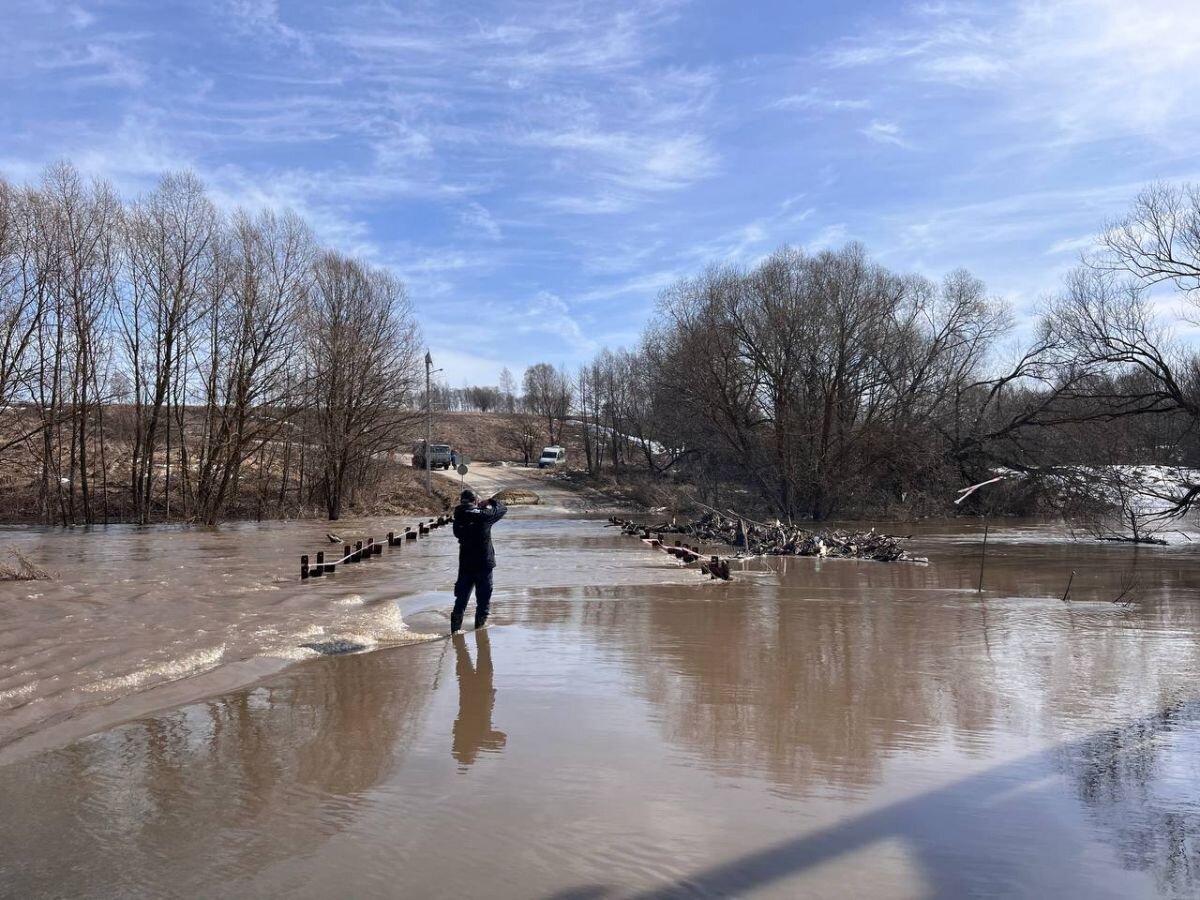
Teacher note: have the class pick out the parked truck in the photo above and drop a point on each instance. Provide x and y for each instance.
(439, 455)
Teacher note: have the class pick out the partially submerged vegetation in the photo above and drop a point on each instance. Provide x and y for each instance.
(760, 539)
(22, 568)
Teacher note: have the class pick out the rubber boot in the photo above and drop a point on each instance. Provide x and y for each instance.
(480, 620)
(456, 622)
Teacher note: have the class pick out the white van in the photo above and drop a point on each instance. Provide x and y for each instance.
(552, 456)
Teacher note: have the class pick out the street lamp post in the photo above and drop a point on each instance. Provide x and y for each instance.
(428, 424)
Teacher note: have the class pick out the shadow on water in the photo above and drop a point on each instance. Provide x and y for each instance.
(1122, 775)
(473, 731)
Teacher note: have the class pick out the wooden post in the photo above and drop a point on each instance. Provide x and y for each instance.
(346, 554)
(983, 557)
(378, 548)
(391, 539)
(303, 567)
(369, 550)
(319, 568)
(409, 534)
(1067, 593)
(358, 551)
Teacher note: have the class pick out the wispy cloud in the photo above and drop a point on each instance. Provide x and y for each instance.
(79, 17)
(543, 168)
(477, 217)
(815, 100)
(886, 133)
(105, 60)
(1083, 69)
(260, 20)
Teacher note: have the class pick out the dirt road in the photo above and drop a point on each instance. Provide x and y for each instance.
(487, 479)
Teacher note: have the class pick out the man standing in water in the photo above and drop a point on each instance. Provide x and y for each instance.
(473, 523)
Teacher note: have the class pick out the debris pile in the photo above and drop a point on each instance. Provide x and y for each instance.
(774, 540)
(518, 497)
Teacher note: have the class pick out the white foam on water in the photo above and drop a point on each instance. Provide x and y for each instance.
(293, 652)
(172, 670)
(18, 692)
(383, 625)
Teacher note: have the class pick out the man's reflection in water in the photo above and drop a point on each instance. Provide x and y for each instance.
(473, 729)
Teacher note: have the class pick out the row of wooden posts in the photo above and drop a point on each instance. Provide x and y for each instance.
(714, 567)
(362, 552)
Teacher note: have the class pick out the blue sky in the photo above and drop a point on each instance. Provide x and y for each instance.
(537, 171)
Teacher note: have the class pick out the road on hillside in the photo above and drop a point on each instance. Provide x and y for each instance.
(489, 478)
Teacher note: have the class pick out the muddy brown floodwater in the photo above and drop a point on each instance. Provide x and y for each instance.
(813, 729)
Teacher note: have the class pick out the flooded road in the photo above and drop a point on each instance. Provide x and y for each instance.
(815, 728)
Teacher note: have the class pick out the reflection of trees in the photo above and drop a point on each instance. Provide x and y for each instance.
(473, 729)
(806, 692)
(814, 677)
(1124, 777)
(223, 788)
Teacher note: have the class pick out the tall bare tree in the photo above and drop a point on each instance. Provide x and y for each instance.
(362, 349)
(172, 240)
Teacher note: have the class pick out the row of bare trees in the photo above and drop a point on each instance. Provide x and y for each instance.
(161, 360)
(826, 384)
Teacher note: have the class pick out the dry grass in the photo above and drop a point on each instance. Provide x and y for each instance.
(483, 436)
(25, 569)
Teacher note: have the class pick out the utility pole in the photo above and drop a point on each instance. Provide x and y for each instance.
(428, 424)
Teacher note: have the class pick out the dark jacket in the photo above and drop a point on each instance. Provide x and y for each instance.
(473, 528)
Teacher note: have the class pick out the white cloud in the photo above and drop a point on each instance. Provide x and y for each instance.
(814, 100)
(260, 19)
(631, 161)
(480, 220)
(103, 61)
(828, 238)
(80, 17)
(1073, 245)
(1080, 70)
(549, 314)
(885, 133)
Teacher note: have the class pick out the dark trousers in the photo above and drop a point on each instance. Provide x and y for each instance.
(479, 580)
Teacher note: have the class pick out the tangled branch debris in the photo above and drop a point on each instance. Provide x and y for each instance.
(25, 568)
(518, 497)
(779, 540)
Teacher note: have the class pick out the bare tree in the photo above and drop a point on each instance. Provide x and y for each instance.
(508, 390)
(522, 435)
(1125, 362)
(23, 292)
(549, 393)
(252, 379)
(172, 236)
(363, 355)
(85, 225)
